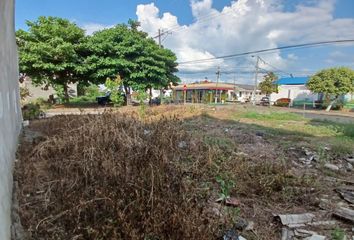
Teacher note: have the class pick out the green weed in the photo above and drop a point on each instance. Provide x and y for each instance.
(338, 234)
(281, 116)
(225, 188)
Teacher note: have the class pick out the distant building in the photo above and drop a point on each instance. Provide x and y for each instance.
(44, 91)
(207, 92)
(296, 90)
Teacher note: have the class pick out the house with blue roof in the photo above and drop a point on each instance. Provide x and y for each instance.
(295, 89)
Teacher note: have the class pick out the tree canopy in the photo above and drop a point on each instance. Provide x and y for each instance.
(268, 84)
(55, 51)
(129, 53)
(49, 51)
(333, 82)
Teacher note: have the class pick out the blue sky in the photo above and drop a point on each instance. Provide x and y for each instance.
(207, 28)
(106, 12)
(109, 12)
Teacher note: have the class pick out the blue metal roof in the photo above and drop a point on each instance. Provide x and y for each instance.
(292, 81)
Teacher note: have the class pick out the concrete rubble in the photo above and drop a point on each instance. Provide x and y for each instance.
(346, 194)
(295, 220)
(331, 166)
(344, 213)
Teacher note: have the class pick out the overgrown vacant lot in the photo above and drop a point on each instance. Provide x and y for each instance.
(158, 173)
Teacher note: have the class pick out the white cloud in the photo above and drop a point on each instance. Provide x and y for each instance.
(292, 56)
(242, 26)
(90, 28)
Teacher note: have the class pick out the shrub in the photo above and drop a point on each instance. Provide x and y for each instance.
(116, 94)
(24, 93)
(43, 104)
(31, 111)
(91, 92)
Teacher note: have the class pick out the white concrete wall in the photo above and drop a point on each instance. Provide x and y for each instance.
(10, 112)
(294, 92)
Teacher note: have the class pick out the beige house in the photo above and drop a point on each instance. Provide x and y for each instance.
(44, 91)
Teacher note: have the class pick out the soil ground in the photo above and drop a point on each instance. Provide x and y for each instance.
(265, 161)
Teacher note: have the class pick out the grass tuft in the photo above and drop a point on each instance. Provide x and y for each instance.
(280, 116)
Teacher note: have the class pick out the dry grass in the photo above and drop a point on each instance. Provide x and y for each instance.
(116, 176)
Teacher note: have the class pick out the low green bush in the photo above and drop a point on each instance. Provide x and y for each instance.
(42, 103)
(31, 111)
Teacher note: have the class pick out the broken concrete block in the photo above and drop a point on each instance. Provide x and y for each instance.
(344, 213)
(304, 233)
(346, 195)
(323, 223)
(287, 234)
(296, 220)
(316, 237)
(331, 166)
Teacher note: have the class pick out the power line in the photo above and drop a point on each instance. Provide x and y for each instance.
(277, 69)
(313, 44)
(205, 18)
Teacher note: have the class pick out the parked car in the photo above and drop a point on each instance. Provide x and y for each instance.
(265, 101)
(282, 102)
(155, 101)
(103, 100)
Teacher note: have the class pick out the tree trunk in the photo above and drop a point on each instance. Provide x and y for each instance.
(66, 93)
(331, 104)
(150, 95)
(127, 95)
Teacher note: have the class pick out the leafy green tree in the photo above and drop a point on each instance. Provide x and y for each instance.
(268, 84)
(333, 82)
(116, 94)
(129, 53)
(49, 52)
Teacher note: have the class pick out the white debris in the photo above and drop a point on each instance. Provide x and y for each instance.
(25, 123)
(146, 132)
(321, 223)
(304, 233)
(250, 226)
(349, 166)
(350, 160)
(296, 220)
(286, 234)
(182, 144)
(344, 213)
(346, 194)
(331, 166)
(315, 237)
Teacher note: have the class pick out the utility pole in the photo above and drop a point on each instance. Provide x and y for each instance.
(159, 36)
(234, 87)
(217, 83)
(255, 81)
